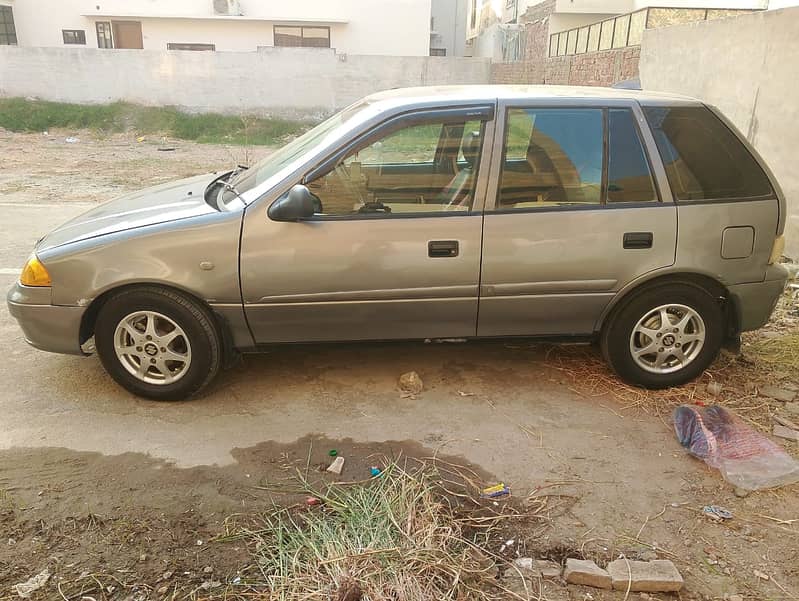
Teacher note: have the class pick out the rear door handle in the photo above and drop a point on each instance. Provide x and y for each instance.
(443, 248)
(638, 240)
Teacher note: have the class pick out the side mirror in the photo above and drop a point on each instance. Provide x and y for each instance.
(297, 205)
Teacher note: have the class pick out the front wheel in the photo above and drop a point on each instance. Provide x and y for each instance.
(664, 336)
(157, 343)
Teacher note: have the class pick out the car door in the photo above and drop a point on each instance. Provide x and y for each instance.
(573, 214)
(393, 250)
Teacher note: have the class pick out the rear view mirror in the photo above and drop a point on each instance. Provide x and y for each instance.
(297, 205)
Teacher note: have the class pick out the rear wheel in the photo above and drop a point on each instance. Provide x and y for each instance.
(157, 343)
(664, 336)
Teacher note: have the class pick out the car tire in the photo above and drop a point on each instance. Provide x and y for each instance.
(158, 343)
(664, 336)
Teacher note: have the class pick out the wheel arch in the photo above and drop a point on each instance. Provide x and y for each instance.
(707, 283)
(89, 319)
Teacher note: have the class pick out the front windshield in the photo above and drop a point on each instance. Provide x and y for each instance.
(283, 157)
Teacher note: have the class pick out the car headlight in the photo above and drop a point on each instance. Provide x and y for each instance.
(34, 273)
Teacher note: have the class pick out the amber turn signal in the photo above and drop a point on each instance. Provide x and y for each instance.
(34, 273)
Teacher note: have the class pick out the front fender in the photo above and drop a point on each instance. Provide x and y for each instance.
(198, 255)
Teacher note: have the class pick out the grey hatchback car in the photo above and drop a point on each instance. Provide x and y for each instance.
(642, 221)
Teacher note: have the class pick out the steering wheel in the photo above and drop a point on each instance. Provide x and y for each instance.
(342, 174)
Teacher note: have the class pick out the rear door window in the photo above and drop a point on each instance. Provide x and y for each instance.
(704, 160)
(629, 175)
(552, 157)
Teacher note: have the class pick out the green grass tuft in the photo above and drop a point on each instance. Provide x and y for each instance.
(397, 536)
(19, 114)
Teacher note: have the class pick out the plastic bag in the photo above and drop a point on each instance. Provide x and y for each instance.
(746, 458)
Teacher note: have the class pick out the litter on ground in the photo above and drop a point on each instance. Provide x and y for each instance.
(745, 458)
(33, 584)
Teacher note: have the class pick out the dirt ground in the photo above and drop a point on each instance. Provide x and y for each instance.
(125, 499)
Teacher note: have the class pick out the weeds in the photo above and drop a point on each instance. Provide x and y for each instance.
(781, 353)
(400, 535)
(19, 114)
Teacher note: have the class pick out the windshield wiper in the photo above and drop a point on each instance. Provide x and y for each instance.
(236, 172)
(231, 188)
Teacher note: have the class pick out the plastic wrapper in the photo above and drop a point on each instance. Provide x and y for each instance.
(745, 458)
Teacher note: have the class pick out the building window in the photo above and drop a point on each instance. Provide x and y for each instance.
(438, 52)
(302, 37)
(181, 46)
(8, 34)
(104, 39)
(74, 36)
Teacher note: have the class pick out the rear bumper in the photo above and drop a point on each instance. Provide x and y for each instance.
(754, 303)
(45, 326)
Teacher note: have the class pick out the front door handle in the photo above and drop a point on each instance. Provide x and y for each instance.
(443, 248)
(638, 240)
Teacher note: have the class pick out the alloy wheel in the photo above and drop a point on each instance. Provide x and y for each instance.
(667, 338)
(152, 347)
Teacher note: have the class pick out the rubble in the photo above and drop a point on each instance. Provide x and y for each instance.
(586, 572)
(337, 466)
(657, 576)
(786, 433)
(539, 568)
(777, 393)
(411, 383)
(784, 421)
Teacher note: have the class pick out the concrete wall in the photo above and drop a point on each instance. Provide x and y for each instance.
(747, 66)
(287, 82)
(399, 27)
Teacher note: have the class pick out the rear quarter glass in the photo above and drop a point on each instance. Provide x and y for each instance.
(703, 159)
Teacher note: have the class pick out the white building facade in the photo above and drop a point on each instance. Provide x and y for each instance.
(448, 27)
(376, 27)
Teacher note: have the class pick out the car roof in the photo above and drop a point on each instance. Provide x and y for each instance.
(458, 94)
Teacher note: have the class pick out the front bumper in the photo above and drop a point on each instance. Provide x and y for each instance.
(754, 303)
(45, 326)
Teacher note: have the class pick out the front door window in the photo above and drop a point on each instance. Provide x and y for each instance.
(429, 167)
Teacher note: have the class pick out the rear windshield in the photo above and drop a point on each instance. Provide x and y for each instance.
(704, 160)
